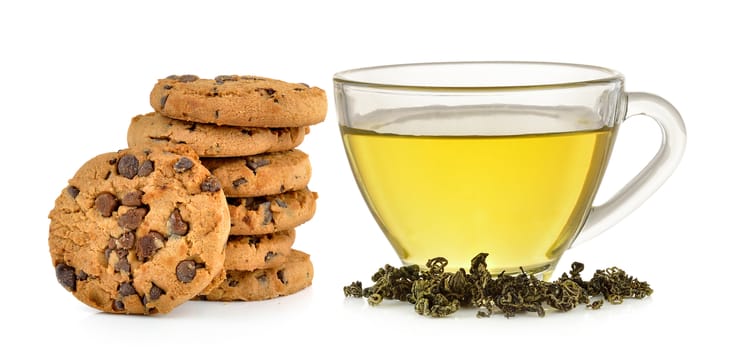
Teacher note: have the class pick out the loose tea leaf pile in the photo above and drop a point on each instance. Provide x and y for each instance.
(437, 293)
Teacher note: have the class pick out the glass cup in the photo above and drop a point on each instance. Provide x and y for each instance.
(458, 158)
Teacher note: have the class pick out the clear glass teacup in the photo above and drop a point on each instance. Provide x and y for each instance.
(458, 158)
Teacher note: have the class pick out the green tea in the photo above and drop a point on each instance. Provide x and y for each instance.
(522, 198)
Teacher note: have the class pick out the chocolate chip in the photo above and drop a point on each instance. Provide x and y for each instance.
(253, 203)
(106, 203)
(164, 98)
(186, 78)
(210, 184)
(167, 87)
(183, 164)
(222, 78)
(132, 218)
(122, 264)
(267, 213)
(233, 283)
(126, 241)
(247, 132)
(263, 279)
(281, 276)
(148, 245)
(270, 255)
(66, 276)
(112, 243)
(155, 292)
(268, 91)
(213, 92)
(281, 203)
(146, 168)
(192, 127)
(186, 271)
(128, 166)
(133, 199)
(72, 191)
(176, 224)
(118, 305)
(126, 289)
(304, 84)
(255, 162)
(216, 114)
(82, 276)
(107, 253)
(239, 182)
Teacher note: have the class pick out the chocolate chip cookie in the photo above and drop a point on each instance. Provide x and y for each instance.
(289, 278)
(249, 253)
(261, 174)
(239, 100)
(139, 231)
(210, 140)
(268, 214)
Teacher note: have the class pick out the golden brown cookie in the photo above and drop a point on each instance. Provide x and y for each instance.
(268, 214)
(293, 276)
(139, 231)
(261, 174)
(210, 140)
(239, 100)
(247, 253)
(216, 281)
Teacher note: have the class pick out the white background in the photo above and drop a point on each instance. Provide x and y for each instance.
(73, 74)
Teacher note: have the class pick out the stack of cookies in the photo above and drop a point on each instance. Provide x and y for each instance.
(245, 130)
(203, 204)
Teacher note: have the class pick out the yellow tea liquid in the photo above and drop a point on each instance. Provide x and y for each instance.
(520, 198)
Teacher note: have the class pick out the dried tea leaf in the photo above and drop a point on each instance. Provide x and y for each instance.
(437, 293)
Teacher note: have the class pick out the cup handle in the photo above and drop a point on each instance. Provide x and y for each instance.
(655, 173)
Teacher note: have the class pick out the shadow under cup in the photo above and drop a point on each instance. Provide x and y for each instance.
(456, 159)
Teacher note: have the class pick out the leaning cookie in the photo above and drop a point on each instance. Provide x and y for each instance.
(210, 140)
(295, 275)
(139, 231)
(239, 100)
(247, 253)
(268, 214)
(261, 174)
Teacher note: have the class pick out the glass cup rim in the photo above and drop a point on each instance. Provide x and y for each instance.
(584, 75)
